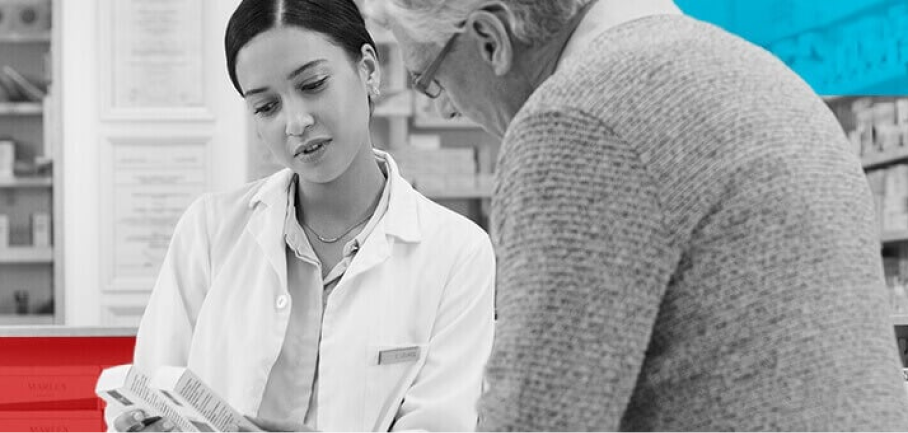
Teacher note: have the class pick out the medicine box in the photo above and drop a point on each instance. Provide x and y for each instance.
(41, 229)
(4, 231)
(7, 158)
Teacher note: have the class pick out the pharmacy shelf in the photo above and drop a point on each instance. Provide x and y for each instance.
(21, 255)
(439, 123)
(894, 236)
(26, 182)
(883, 158)
(20, 108)
(481, 189)
(399, 104)
(833, 98)
(900, 319)
(18, 38)
(26, 319)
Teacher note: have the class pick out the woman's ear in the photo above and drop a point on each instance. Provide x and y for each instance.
(370, 70)
(489, 28)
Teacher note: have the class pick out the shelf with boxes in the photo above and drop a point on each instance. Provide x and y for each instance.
(900, 319)
(450, 161)
(30, 266)
(21, 108)
(877, 128)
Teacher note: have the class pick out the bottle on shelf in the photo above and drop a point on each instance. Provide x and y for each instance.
(898, 297)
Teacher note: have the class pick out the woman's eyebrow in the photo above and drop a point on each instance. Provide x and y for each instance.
(305, 67)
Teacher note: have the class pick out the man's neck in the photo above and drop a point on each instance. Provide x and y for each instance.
(607, 14)
(534, 65)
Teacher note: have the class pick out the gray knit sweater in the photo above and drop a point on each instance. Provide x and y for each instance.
(685, 242)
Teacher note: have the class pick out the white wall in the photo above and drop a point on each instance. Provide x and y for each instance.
(84, 132)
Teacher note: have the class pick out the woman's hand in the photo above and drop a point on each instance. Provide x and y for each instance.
(266, 425)
(137, 420)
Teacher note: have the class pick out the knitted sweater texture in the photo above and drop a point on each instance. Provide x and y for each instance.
(685, 242)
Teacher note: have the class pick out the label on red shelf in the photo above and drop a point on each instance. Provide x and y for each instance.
(46, 384)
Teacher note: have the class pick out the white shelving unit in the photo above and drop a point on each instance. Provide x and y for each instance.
(26, 319)
(25, 38)
(35, 271)
(23, 255)
(894, 243)
(26, 182)
(900, 319)
(21, 108)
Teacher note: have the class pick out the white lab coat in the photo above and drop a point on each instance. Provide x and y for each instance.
(424, 277)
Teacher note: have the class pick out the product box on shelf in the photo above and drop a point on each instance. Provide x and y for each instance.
(28, 16)
(888, 137)
(4, 231)
(5, 19)
(877, 180)
(863, 117)
(895, 199)
(7, 158)
(901, 111)
(41, 229)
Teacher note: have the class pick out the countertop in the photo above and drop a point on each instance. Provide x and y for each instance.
(65, 331)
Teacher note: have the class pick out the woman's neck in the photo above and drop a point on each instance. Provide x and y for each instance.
(337, 204)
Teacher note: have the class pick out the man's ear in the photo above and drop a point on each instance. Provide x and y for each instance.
(369, 67)
(489, 27)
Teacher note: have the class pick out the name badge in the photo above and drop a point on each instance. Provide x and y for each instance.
(394, 356)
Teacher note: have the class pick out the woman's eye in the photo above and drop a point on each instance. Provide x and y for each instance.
(314, 86)
(265, 109)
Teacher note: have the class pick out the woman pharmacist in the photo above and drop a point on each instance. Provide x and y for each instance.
(331, 295)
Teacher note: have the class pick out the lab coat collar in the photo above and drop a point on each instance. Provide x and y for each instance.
(402, 217)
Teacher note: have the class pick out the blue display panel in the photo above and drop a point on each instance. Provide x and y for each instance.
(840, 47)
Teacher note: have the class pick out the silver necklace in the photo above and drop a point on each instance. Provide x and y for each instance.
(333, 240)
(345, 233)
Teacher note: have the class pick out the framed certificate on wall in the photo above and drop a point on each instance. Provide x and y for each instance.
(147, 184)
(152, 60)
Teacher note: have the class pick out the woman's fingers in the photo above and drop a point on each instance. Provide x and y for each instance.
(138, 421)
(130, 420)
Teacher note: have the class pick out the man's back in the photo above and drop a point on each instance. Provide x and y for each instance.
(686, 243)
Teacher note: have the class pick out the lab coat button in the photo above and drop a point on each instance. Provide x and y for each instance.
(281, 302)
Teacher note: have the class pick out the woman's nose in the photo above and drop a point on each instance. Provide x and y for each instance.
(298, 120)
(445, 107)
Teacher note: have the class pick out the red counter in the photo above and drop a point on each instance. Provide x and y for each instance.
(48, 375)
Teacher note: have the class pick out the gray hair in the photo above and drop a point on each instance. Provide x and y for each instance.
(433, 21)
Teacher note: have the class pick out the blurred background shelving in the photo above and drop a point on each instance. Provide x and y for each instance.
(30, 264)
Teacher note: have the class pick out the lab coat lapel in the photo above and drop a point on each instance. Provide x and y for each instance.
(267, 222)
(400, 222)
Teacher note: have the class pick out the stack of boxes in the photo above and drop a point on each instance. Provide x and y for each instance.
(895, 199)
(442, 169)
(890, 193)
(879, 127)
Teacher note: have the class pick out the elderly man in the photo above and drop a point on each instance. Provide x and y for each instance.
(684, 240)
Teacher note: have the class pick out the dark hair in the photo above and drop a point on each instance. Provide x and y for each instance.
(340, 20)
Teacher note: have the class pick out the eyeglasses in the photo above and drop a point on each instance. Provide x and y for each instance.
(425, 82)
